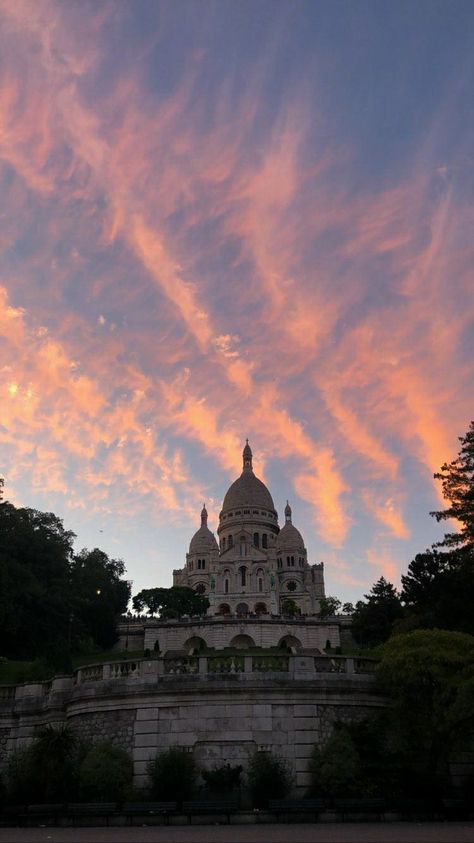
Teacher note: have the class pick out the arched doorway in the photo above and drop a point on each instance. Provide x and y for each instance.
(290, 643)
(242, 642)
(194, 645)
(261, 609)
(224, 609)
(242, 609)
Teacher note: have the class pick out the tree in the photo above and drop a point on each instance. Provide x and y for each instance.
(172, 775)
(99, 596)
(336, 766)
(457, 479)
(329, 606)
(268, 777)
(372, 622)
(429, 676)
(171, 602)
(46, 770)
(35, 555)
(105, 774)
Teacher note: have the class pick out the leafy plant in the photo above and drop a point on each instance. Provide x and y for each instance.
(268, 777)
(172, 774)
(222, 779)
(106, 773)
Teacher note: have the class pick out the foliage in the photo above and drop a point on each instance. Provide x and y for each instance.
(336, 766)
(170, 602)
(438, 589)
(99, 596)
(106, 774)
(329, 606)
(372, 622)
(66, 599)
(429, 675)
(290, 607)
(348, 609)
(268, 777)
(172, 775)
(457, 479)
(47, 769)
(222, 779)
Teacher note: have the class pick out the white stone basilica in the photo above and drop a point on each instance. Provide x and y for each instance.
(256, 568)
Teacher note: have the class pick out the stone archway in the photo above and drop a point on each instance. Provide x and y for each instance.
(194, 645)
(224, 609)
(242, 642)
(261, 609)
(290, 643)
(242, 609)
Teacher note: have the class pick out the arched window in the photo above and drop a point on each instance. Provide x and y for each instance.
(260, 584)
(223, 544)
(264, 540)
(226, 586)
(243, 575)
(230, 541)
(287, 560)
(293, 560)
(256, 540)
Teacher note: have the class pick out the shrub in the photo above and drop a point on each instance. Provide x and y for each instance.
(221, 779)
(268, 777)
(335, 767)
(172, 775)
(45, 770)
(105, 774)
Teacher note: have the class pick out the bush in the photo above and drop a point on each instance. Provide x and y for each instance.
(268, 777)
(105, 774)
(335, 767)
(47, 769)
(172, 775)
(222, 779)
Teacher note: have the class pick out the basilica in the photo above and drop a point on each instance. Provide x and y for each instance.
(255, 568)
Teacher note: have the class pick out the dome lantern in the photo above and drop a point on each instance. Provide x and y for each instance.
(247, 457)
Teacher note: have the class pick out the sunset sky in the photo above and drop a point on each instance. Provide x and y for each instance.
(229, 219)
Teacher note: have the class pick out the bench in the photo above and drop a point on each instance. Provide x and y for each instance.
(226, 807)
(456, 808)
(149, 809)
(360, 806)
(91, 809)
(296, 806)
(44, 812)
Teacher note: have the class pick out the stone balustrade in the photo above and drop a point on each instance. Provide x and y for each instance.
(244, 667)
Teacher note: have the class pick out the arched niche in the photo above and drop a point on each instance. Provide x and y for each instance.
(194, 645)
(290, 643)
(242, 642)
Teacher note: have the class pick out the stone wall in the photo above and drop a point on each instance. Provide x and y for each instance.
(220, 709)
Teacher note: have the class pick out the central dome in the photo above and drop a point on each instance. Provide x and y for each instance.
(248, 490)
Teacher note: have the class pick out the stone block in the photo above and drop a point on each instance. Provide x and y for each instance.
(303, 750)
(305, 723)
(238, 710)
(262, 724)
(147, 714)
(308, 710)
(301, 765)
(143, 727)
(261, 711)
(146, 740)
(143, 753)
(170, 713)
(306, 737)
(139, 768)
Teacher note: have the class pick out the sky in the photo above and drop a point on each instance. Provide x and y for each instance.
(236, 219)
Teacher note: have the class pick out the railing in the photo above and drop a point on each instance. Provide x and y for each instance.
(225, 664)
(92, 673)
(267, 664)
(330, 664)
(120, 670)
(182, 665)
(365, 665)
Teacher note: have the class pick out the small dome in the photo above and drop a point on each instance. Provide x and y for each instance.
(203, 540)
(289, 538)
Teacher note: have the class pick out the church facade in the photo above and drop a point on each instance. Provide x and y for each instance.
(255, 568)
